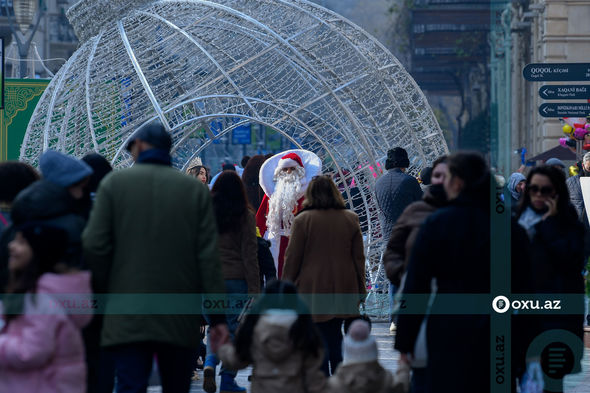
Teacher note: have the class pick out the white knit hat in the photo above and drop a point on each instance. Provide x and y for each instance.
(358, 346)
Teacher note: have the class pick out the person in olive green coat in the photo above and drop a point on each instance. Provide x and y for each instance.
(152, 231)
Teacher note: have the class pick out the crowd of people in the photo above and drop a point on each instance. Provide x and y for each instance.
(443, 245)
(280, 248)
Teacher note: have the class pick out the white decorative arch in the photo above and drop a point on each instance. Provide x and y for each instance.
(291, 65)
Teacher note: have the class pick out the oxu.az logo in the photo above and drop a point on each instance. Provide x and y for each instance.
(501, 304)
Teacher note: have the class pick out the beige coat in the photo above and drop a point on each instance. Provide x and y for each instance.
(326, 261)
(277, 366)
(369, 377)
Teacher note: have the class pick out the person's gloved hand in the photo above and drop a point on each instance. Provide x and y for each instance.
(532, 380)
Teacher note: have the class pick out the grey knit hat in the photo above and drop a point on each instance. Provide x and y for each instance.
(555, 161)
(63, 170)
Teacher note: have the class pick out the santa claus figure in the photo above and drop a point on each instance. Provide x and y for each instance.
(284, 178)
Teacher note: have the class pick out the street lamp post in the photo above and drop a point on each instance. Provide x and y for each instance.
(24, 14)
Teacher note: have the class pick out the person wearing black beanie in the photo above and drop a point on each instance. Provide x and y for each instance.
(394, 191)
(397, 158)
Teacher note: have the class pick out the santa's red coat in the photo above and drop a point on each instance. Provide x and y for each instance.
(261, 224)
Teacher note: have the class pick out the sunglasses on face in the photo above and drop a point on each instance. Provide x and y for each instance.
(544, 191)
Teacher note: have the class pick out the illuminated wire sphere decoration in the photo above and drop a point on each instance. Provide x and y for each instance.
(206, 67)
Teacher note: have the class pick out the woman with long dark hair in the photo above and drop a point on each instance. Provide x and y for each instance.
(325, 259)
(201, 172)
(452, 247)
(250, 177)
(238, 252)
(557, 260)
(280, 340)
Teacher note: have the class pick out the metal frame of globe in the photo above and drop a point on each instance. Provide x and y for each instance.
(207, 67)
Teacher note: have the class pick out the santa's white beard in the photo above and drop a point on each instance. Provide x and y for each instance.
(282, 203)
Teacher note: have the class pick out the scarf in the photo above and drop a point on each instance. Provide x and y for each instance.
(528, 219)
(154, 156)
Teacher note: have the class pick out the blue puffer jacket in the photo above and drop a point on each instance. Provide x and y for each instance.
(394, 192)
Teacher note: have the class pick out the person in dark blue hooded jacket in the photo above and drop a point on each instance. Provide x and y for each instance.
(57, 199)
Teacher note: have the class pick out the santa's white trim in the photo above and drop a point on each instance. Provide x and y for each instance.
(311, 163)
(287, 163)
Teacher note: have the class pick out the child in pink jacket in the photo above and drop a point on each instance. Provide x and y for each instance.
(41, 347)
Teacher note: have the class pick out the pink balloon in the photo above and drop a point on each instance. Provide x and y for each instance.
(562, 142)
(580, 133)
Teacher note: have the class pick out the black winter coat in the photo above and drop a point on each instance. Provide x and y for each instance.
(556, 264)
(453, 246)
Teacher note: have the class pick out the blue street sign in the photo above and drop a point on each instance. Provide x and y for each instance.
(556, 92)
(564, 110)
(539, 72)
(241, 135)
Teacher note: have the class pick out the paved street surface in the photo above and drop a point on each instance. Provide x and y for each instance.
(579, 383)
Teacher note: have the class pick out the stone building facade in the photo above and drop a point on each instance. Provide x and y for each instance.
(54, 40)
(550, 31)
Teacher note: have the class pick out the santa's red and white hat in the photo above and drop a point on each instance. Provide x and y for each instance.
(290, 158)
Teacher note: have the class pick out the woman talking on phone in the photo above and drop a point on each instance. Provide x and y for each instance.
(557, 259)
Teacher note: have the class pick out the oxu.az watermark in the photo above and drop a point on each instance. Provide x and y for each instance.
(501, 304)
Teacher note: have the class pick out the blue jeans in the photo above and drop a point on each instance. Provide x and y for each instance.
(133, 365)
(237, 294)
